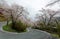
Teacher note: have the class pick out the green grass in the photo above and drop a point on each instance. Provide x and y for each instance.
(55, 35)
(9, 29)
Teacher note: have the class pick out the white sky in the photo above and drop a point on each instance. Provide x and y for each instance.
(34, 5)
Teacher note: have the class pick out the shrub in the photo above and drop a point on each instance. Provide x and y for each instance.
(58, 29)
(18, 27)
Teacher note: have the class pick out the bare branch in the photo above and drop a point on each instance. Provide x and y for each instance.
(50, 4)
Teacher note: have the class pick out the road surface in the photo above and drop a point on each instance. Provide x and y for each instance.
(32, 34)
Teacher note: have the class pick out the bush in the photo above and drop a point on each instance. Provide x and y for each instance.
(18, 27)
(48, 29)
(58, 29)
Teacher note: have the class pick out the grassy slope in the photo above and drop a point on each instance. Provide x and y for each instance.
(8, 28)
(2, 18)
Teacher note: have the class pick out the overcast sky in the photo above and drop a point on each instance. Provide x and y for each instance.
(34, 5)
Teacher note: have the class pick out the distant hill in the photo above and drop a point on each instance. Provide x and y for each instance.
(58, 18)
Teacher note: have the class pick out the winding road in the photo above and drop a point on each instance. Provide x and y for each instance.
(32, 34)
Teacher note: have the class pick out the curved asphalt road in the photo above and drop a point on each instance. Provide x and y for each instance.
(32, 34)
